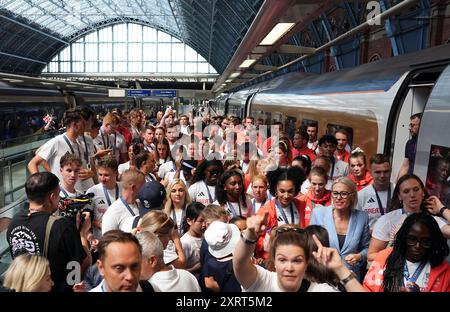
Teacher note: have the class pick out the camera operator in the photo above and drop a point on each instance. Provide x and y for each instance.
(37, 231)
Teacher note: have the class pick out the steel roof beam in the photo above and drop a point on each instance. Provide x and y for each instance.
(22, 58)
(33, 29)
(294, 49)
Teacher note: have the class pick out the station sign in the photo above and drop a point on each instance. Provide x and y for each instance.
(149, 93)
(139, 92)
(164, 93)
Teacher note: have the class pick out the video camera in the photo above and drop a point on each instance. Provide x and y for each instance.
(70, 206)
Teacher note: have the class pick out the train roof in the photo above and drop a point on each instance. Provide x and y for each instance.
(380, 75)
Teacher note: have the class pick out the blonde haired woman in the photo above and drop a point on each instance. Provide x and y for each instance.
(347, 227)
(177, 198)
(29, 273)
(160, 224)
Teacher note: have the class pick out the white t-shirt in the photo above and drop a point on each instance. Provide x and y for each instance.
(64, 193)
(340, 170)
(166, 168)
(314, 146)
(184, 129)
(256, 206)
(287, 211)
(367, 201)
(174, 280)
(199, 193)
(114, 141)
(191, 247)
(267, 281)
(57, 147)
(100, 202)
(116, 215)
(388, 225)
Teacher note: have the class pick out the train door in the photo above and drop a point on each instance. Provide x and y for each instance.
(416, 95)
(433, 147)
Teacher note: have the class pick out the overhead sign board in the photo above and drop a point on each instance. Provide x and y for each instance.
(139, 92)
(164, 93)
(116, 92)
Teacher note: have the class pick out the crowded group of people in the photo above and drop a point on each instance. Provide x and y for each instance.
(218, 204)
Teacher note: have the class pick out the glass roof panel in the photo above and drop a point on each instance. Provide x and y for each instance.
(83, 13)
(214, 28)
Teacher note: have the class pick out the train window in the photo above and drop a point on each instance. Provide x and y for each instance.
(438, 173)
(332, 128)
(307, 122)
(289, 126)
(276, 117)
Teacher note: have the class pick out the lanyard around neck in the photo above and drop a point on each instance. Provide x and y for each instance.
(254, 204)
(63, 191)
(174, 217)
(283, 214)
(71, 147)
(233, 211)
(380, 204)
(211, 200)
(127, 206)
(416, 273)
(107, 195)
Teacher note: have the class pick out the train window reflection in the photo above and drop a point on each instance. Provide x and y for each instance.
(333, 128)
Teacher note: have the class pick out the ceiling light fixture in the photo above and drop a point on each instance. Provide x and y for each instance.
(276, 33)
(247, 63)
(234, 75)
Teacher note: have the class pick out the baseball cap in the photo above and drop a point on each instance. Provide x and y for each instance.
(222, 238)
(151, 195)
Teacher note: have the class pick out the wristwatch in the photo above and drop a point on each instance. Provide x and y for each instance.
(351, 276)
(441, 211)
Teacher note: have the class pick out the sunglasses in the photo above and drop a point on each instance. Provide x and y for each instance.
(343, 195)
(424, 243)
(284, 229)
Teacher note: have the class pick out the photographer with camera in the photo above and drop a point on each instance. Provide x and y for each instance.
(37, 231)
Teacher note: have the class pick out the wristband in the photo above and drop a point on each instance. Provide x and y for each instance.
(441, 211)
(351, 276)
(248, 241)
